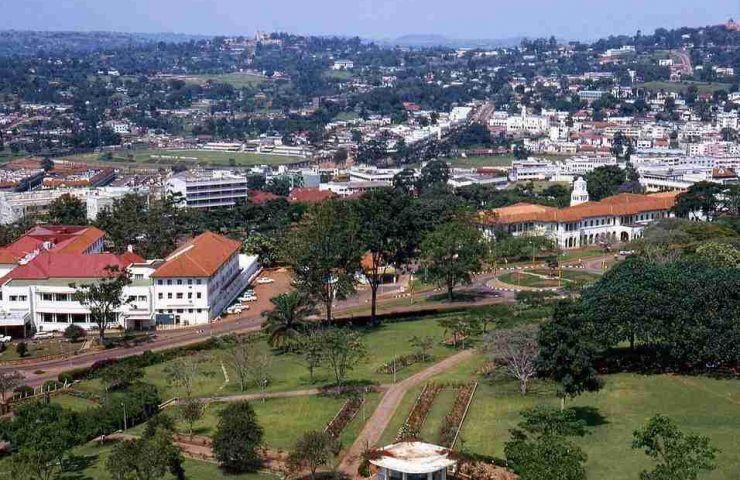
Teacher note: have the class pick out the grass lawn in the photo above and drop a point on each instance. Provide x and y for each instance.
(89, 464)
(702, 87)
(440, 408)
(236, 79)
(289, 373)
(157, 157)
(71, 402)
(581, 253)
(481, 161)
(698, 404)
(524, 279)
(40, 348)
(580, 276)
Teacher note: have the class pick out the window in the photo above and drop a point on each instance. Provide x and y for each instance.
(200, 310)
(138, 276)
(142, 298)
(179, 281)
(198, 295)
(179, 295)
(190, 294)
(197, 281)
(169, 295)
(14, 298)
(48, 297)
(159, 282)
(47, 317)
(179, 310)
(190, 281)
(132, 298)
(190, 310)
(160, 295)
(169, 282)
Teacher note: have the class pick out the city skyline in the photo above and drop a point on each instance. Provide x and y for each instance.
(373, 19)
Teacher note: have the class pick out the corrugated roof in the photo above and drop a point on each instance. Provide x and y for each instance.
(617, 205)
(200, 257)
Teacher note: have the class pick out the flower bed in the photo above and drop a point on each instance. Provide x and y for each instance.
(418, 414)
(399, 364)
(344, 416)
(453, 421)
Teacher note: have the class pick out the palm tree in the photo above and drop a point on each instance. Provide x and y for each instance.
(285, 322)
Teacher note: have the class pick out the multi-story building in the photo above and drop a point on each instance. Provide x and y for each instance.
(191, 286)
(208, 189)
(619, 218)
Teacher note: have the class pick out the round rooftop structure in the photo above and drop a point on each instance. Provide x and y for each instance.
(413, 461)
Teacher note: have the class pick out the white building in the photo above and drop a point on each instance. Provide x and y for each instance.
(208, 189)
(522, 124)
(373, 174)
(579, 194)
(343, 65)
(413, 461)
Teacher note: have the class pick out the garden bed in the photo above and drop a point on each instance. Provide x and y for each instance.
(411, 428)
(345, 415)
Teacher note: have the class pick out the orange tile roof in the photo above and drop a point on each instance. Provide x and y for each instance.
(65, 239)
(200, 257)
(617, 205)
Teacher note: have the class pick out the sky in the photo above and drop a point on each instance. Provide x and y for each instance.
(466, 19)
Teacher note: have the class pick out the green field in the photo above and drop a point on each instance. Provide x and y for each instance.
(73, 403)
(698, 404)
(702, 87)
(482, 161)
(524, 279)
(289, 373)
(157, 158)
(237, 80)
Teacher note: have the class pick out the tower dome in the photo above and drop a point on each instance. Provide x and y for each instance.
(580, 192)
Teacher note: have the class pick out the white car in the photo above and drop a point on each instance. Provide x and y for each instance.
(248, 298)
(234, 309)
(6, 339)
(264, 280)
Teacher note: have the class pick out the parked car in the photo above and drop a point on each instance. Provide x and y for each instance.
(264, 280)
(248, 298)
(234, 309)
(626, 253)
(6, 339)
(43, 335)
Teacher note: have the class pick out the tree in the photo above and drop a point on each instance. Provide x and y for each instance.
(47, 164)
(568, 351)
(700, 197)
(103, 297)
(192, 410)
(424, 346)
(265, 247)
(74, 333)
(237, 437)
(120, 375)
(181, 374)
(21, 349)
(719, 254)
(435, 172)
(604, 181)
(146, 458)
(313, 449)
(324, 251)
(516, 350)
(42, 434)
(9, 381)
(312, 351)
(384, 235)
(452, 252)
(342, 350)
(405, 180)
(679, 456)
(520, 151)
(540, 450)
(622, 146)
(285, 322)
(67, 210)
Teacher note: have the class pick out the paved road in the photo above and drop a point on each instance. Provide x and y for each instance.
(378, 422)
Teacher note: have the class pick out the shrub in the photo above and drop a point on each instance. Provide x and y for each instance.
(23, 390)
(74, 333)
(21, 349)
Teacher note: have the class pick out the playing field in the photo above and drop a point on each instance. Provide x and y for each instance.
(157, 158)
(702, 87)
(236, 79)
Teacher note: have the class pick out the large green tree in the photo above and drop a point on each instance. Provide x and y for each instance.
(452, 252)
(67, 210)
(384, 230)
(237, 438)
(103, 297)
(286, 321)
(604, 181)
(678, 455)
(324, 250)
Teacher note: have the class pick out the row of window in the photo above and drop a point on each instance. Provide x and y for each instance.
(180, 310)
(179, 281)
(178, 295)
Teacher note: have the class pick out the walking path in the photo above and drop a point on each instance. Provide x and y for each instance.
(378, 422)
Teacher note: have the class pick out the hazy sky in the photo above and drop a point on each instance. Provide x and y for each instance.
(569, 19)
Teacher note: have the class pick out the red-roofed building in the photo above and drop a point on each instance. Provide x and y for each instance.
(309, 195)
(258, 197)
(192, 285)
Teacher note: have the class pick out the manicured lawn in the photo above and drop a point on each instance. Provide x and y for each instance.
(525, 279)
(236, 79)
(288, 372)
(40, 348)
(482, 161)
(702, 87)
(580, 254)
(73, 403)
(570, 275)
(440, 408)
(156, 157)
(698, 404)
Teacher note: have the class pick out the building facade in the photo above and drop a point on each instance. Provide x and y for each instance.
(208, 189)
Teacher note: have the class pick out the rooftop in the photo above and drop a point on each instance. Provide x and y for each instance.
(414, 457)
(200, 257)
(56, 238)
(50, 265)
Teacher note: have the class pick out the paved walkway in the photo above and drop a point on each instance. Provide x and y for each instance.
(378, 422)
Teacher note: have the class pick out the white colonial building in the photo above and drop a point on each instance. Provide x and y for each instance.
(208, 189)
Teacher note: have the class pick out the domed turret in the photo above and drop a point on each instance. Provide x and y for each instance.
(580, 192)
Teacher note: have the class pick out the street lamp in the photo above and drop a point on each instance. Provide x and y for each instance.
(124, 416)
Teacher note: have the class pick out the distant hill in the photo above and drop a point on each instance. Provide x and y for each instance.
(432, 40)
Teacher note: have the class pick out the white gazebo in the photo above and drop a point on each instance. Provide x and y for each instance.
(413, 461)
